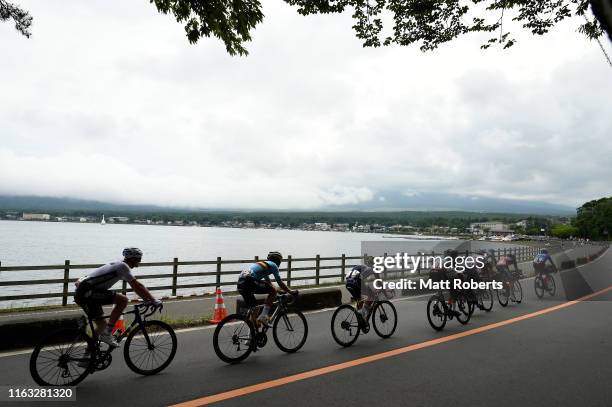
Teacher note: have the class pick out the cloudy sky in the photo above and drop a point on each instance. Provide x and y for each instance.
(108, 101)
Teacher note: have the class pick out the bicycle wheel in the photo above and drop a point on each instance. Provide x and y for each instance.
(345, 325)
(465, 310)
(150, 348)
(551, 286)
(538, 285)
(290, 331)
(234, 338)
(436, 314)
(517, 291)
(503, 294)
(486, 299)
(384, 319)
(63, 358)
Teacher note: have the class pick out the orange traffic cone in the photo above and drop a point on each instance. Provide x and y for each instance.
(220, 311)
(119, 325)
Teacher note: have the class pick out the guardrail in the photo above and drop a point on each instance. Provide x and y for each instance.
(288, 272)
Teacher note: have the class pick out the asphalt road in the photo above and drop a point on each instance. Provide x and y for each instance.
(508, 357)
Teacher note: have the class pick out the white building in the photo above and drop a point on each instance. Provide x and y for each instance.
(36, 216)
(490, 227)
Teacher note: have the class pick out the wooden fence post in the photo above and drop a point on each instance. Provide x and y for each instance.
(218, 281)
(342, 267)
(66, 278)
(289, 270)
(174, 275)
(317, 268)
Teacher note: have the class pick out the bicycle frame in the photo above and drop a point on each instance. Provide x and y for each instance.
(139, 319)
(279, 305)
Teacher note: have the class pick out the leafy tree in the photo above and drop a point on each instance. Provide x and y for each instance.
(229, 20)
(564, 231)
(22, 19)
(594, 219)
(428, 23)
(425, 22)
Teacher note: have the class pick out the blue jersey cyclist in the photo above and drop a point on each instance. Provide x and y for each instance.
(256, 280)
(540, 261)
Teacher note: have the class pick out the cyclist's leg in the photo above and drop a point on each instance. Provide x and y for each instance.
(120, 301)
(246, 289)
(265, 287)
(98, 298)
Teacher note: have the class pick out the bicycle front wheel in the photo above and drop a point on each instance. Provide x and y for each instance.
(150, 348)
(290, 331)
(466, 309)
(436, 312)
(63, 358)
(384, 319)
(234, 338)
(517, 291)
(345, 325)
(503, 294)
(551, 286)
(538, 285)
(486, 299)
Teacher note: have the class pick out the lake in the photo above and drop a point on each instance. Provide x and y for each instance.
(51, 243)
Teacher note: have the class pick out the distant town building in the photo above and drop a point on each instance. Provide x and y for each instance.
(321, 226)
(36, 216)
(495, 228)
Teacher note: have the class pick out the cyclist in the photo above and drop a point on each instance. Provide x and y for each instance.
(539, 263)
(357, 278)
(504, 263)
(256, 280)
(93, 291)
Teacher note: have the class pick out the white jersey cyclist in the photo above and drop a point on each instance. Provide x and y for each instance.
(106, 276)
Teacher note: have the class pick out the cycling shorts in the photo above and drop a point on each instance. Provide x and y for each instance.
(92, 299)
(248, 287)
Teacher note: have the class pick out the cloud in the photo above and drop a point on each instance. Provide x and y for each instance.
(108, 101)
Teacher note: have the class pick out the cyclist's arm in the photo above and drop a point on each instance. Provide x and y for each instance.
(141, 290)
(552, 263)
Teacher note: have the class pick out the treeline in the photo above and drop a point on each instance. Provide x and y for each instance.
(460, 220)
(594, 219)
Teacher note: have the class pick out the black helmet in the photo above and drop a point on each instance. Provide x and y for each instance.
(275, 257)
(132, 253)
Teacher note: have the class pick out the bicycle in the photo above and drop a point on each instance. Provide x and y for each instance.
(480, 297)
(237, 335)
(346, 323)
(545, 282)
(67, 356)
(440, 308)
(511, 290)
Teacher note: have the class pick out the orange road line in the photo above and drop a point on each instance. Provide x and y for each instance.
(368, 359)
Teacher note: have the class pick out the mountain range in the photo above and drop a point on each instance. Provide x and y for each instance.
(387, 202)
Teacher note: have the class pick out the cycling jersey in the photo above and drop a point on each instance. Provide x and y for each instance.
(262, 270)
(541, 258)
(356, 278)
(360, 271)
(106, 276)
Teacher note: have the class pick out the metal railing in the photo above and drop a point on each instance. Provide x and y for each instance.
(293, 272)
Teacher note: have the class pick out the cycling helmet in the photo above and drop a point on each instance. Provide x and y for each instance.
(368, 261)
(132, 253)
(275, 257)
(544, 251)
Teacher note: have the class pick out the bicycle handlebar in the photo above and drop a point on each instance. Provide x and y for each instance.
(146, 309)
